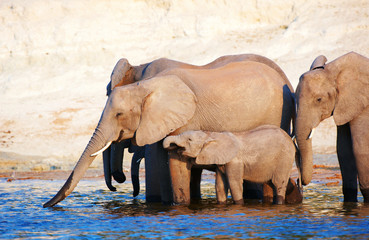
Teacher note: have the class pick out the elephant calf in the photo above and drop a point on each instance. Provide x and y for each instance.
(263, 155)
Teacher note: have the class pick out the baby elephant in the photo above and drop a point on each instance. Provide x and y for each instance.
(263, 155)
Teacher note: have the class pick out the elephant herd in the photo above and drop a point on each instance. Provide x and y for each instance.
(238, 116)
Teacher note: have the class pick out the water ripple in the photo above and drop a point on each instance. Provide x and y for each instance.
(95, 213)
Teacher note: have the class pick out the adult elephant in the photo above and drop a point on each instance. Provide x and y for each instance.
(124, 73)
(221, 99)
(339, 88)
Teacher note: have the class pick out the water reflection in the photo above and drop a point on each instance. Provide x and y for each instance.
(92, 212)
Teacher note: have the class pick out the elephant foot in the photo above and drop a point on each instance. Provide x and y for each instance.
(350, 194)
(119, 176)
(280, 199)
(181, 198)
(365, 193)
(293, 194)
(239, 202)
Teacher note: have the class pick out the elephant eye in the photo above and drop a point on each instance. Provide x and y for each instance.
(319, 100)
(118, 114)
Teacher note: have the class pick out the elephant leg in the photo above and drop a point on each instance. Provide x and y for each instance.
(360, 139)
(280, 186)
(293, 193)
(268, 192)
(116, 161)
(152, 178)
(252, 190)
(234, 172)
(180, 173)
(347, 163)
(107, 170)
(221, 185)
(158, 182)
(195, 183)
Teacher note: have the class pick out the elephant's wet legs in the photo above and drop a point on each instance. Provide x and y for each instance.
(268, 192)
(347, 162)
(158, 182)
(180, 173)
(360, 140)
(293, 193)
(195, 189)
(221, 186)
(252, 190)
(234, 174)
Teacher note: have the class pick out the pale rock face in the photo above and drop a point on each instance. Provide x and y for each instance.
(56, 58)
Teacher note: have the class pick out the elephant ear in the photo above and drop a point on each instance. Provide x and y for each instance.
(169, 105)
(319, 62)
(220, 148)
(352, 88)
(122, 75)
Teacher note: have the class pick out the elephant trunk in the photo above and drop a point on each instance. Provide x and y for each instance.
(96, 143)
(304, 142)
(170, 143)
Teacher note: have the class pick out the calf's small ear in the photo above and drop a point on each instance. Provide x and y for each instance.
(219, 149)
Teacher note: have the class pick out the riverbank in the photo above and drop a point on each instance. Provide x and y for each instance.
(322, 174)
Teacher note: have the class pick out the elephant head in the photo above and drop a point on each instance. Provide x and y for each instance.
(339, 88)
(146, 111)
(206, 147)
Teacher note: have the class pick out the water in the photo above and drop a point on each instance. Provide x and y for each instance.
(91, 212)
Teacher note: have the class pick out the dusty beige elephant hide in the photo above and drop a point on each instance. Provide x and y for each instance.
(124, 73)
(236, 97)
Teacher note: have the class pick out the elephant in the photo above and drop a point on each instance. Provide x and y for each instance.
(236, 97)
(339, 89)
(240, 156)
(124, 73)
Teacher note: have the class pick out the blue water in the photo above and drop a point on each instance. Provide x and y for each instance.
(91, 212)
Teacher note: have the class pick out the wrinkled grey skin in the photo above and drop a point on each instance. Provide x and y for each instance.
(340, 89)
(124, 74)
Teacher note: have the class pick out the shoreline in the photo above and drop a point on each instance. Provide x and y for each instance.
(329, 175)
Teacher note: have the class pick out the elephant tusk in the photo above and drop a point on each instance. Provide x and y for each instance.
(311, 134)
(101, 150)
